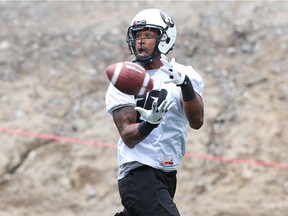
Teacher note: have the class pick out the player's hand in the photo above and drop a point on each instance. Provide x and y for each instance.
(168, 68)
(155, 115)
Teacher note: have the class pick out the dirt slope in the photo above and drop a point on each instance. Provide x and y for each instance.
(53, 57)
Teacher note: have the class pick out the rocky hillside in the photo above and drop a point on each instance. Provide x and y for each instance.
(58, 143)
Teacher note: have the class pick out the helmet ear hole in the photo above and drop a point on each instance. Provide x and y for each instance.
(168, 40)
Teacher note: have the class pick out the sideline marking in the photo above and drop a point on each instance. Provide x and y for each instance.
(114, 146)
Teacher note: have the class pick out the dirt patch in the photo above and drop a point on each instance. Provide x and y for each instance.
(53, 57)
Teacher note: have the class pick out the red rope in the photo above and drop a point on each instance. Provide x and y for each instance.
(57, 138)
(114, 146)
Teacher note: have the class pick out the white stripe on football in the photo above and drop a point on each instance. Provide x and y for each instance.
(129, 78)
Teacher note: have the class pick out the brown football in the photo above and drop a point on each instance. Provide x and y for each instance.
(129, 78)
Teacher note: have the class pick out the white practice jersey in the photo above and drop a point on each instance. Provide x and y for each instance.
(164, 147)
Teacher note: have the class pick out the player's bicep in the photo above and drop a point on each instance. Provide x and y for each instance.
(123, 117)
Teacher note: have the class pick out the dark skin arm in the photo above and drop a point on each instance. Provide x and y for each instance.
(125, 121)
(125, 117)
(194, 111)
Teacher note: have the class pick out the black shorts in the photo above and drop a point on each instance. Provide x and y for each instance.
(146, 191)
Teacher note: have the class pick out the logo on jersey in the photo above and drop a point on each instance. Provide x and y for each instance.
(145, 101)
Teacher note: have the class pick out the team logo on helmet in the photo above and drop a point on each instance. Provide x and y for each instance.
(167, 19)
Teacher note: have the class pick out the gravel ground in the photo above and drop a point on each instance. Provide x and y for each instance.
(53, 57)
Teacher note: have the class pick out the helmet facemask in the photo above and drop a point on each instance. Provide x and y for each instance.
(131, 40)
(152, 19)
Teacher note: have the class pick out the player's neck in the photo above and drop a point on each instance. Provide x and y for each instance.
(153, 65)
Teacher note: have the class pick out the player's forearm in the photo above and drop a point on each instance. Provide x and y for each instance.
(193, 104)
(125, 121)
(194, 111)
(131, 135)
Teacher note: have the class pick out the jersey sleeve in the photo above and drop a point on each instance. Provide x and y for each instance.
(115, 99)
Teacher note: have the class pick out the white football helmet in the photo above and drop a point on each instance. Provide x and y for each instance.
(157, 19)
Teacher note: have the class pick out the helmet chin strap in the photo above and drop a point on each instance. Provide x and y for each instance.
(148, 59)
(144, 60)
